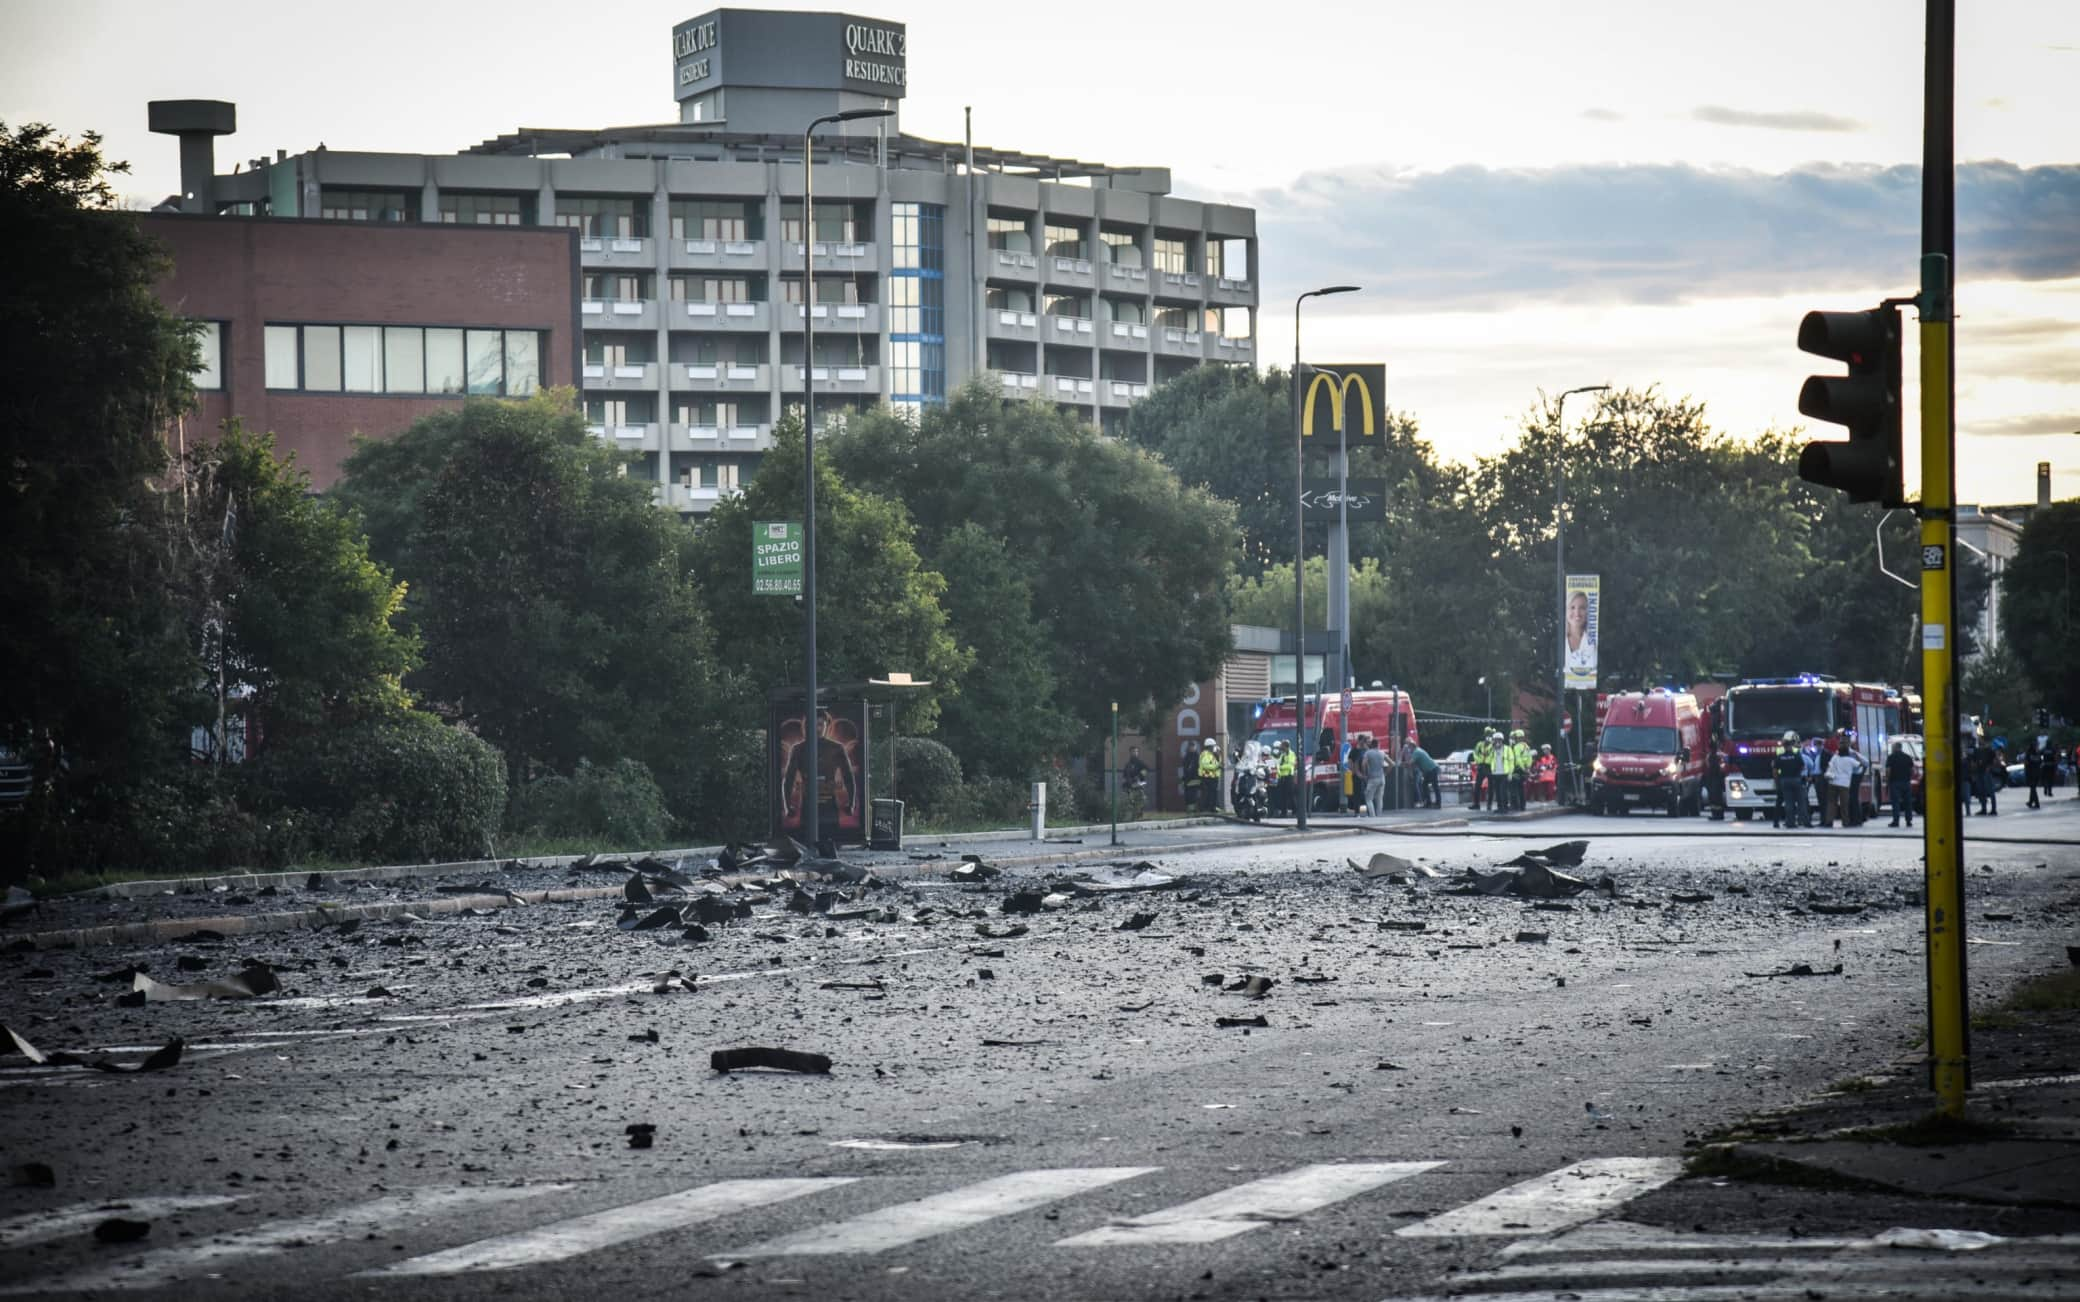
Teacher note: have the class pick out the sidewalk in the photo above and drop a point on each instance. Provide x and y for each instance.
(2019, 1144)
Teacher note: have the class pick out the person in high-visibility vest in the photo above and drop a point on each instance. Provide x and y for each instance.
(1517, 761)
(1483, 769)
(1210, 775)
(1282, 792)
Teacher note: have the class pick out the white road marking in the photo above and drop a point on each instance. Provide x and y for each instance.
(1553, 1201)
(1250, 1206)
(61, 1221)
(616, 1225)
(188, 1261)
(903, 1223)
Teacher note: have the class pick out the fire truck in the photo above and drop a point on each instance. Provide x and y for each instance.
(1749, 722)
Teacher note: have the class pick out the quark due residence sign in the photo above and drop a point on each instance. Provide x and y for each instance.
(790, 51)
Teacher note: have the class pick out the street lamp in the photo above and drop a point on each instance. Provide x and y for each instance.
(1560, 564)
(812, 804)
(1300, 747)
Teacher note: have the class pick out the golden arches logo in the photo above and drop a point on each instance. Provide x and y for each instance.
(1339, 399)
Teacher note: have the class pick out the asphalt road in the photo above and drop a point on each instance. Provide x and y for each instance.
(439, 1108)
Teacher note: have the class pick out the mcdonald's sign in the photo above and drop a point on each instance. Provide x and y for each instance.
(1350, 397)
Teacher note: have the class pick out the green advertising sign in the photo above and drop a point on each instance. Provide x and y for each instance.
(776, 558)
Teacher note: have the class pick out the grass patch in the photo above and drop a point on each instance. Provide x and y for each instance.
(2056, 992)
(1853, 1085)
(1935, 1130)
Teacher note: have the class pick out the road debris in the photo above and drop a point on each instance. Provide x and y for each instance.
(1138, 922)
(117, 1229)
(727, 1060)
(1225, 1022)
(641, 1134)
(168, 1055)
(257, 979)
(1798, 970)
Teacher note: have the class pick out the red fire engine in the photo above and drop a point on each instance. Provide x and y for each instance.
(1749, 723)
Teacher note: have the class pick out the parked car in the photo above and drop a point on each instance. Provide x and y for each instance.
(15, 776)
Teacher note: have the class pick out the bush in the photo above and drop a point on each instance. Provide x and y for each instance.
(186, 820)
(928, 776)
(405, 788)
(619, 803)
(986, 802)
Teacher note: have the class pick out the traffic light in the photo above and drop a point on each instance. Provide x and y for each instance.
(1867, 467)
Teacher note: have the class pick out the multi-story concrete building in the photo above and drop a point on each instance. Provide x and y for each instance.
(928, 262)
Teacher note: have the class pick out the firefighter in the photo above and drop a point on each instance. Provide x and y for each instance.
(1789, 770)
(1282, 791)
(1210, 775)
(1483, 767)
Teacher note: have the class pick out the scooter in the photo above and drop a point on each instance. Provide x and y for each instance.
(1248, 793)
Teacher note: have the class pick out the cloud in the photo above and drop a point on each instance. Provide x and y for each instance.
(1787, 120)
(1589, 234)
(2024, 426)
(1603, 115)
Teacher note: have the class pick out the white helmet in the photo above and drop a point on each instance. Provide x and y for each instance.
(1790, 735)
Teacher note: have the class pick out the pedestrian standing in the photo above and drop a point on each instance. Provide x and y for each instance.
(1210, 776)
(2032, 771)
(1375, 762)
(1282, 793)
(1519, 764)
(1816, 773)
(1789, 770)
(1188, 775)
(1841, 784)
(1899, 783)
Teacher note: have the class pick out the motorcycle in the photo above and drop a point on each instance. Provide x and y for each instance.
(1249, 793)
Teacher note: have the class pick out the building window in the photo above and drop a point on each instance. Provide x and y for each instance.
(618, 286)
(1064, 241)
(367, 205)
(1172, 255)
(998, 299)
(635, 350)
(917, 307)
(836, 223)
(718, 289)
(486, 209)
(626, 219)
(414, 360)
(1072, 305)
(1010, 234)
(1122, 248)
(829, 289)
(208, 375)
(1175, 318)
(718, 219)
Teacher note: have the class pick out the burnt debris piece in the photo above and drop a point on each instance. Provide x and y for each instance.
(814, 1064)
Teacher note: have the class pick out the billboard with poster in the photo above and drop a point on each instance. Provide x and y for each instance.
(1582, 616)
(841, 760)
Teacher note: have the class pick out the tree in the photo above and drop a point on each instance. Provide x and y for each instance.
(101, 681)
(559, 620)
(877, 603)
(1005, 720)
(1995, 687)
(283, 598)
(1128, 566)
(2038, 616)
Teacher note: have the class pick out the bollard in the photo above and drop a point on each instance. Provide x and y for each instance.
(1038, 806)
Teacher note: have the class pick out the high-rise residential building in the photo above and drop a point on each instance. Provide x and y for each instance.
(928, 261)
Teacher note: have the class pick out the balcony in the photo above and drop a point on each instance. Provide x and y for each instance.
(744, 256)
(839, 318)
(1004, 323)
(721, 377)
(695, 438)
(1070, 329)
(1068, 273)
(1007, 264)
(1120, 393)
(836, 379)
(1227, 292)
(848, 258)
(721, 438)
(1126, 334)
(1223, 349)
(640, 377)
(1069, 388)
(748, 438)
(606, 252)
(618, 314)
(627, 438)
(698, 499)
(1125, 280)
(721, 316)
(1173, 342)
(1187, 285)
(1019, 384)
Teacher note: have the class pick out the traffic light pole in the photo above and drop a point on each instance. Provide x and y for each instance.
(1948, 1023)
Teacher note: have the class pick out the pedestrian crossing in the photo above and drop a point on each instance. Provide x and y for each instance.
(1616, 1261)
(1559, 1242)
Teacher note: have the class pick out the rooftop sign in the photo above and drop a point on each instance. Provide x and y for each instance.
(789, 51)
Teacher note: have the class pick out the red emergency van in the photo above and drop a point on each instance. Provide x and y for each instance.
(1650, 753)
(1389, 716)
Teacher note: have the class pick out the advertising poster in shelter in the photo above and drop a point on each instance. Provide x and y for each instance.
(1582, 615)
(841, 762)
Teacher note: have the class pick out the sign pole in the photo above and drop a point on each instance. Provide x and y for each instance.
(1948, 1023)
(1115, 772)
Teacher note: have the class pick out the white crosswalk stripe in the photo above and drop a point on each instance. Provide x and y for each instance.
(1639, 1263)
(1249, 1206)
(171, 1265)
(903, 1223)
(38, 1227)
(575, 1237)
(1553, 1201)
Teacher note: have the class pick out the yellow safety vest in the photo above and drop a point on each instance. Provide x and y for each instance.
(1483, 754)
(1209, 763)
(1286, 765)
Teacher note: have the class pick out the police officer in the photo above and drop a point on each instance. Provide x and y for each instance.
(1288, 765)
(1789, 770)
(1519, 767)
(1210, 775)
(1484, 767)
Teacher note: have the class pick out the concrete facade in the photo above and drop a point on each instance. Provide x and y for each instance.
(1074, 283)
(242, 275)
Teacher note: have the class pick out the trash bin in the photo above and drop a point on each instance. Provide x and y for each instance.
(887, 830)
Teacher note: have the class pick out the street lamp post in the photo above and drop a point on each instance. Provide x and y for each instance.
(812, 803)
(1303, 793)
(1560, 565)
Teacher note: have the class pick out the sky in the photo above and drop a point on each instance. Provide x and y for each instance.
(1532, 195)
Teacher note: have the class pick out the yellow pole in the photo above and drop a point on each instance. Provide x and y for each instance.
(1948, 1029)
